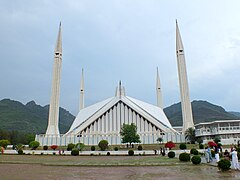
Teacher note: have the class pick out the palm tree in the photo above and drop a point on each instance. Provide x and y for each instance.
(190, 135)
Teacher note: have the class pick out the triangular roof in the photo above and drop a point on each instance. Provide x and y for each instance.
(152, 113)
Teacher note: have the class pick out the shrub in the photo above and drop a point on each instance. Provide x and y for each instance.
(116, 149)
(20, 152)
(184, 157)
(194, 151)
(199, 140)
(130, 152)
(103, 145)
(80, 146)
(182, 146)
(54, 147)
(108, 153)
(171, 154)
(196, 159)
(201, 146)
(224, 164)
(75, 152)
(70, 146)
(34, 145)
(4, 143)
(140, 147)
(93, 148)
(238, 149)
(45, 147)
(217, 139)
(170, 145)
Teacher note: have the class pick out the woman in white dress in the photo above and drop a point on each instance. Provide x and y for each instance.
(235, 163)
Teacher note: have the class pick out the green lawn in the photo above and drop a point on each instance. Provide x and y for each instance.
(88, 160)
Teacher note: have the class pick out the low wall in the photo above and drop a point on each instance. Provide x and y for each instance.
(64, 140)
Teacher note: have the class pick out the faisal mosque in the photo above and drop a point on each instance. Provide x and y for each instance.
(104, 119)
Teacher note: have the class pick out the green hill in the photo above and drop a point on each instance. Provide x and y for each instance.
(203, 111)
(235, 113)
(30, 118)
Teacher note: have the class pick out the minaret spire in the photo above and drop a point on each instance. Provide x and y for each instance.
(58, 47)
(53, 118)
(81, 104)
(120, 90)
(159, 91)
(183, 82)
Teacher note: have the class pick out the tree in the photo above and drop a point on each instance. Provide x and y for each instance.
(4, 143)
(170, 145)
(80, 146)
(160, 140)
(190, 135)
(129, 133)
(103, 145)
(34, 145)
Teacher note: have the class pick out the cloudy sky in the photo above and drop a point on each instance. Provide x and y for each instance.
(120, 40)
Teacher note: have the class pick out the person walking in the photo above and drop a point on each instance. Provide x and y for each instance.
(207, 156)
(210, 153)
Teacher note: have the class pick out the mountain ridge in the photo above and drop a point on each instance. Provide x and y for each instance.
(203, 111)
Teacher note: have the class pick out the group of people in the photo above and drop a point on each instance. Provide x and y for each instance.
(232, 155)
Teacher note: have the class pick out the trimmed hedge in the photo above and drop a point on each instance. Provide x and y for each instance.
(194, 151)
(45, 147)
(171, 154)
(182, 146)
(70, 146)
(75, 152)
(196, 159)
(224, 164)
(130, 152)
(201, 146)
(140, 147)
(93, 148)
(184, 157)
(103, 145)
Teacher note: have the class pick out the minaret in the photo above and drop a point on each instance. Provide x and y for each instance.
(81, 103)
(53, 118)
(183, 82)
(159, 92)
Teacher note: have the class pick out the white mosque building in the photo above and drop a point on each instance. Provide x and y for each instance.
(104, 119)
